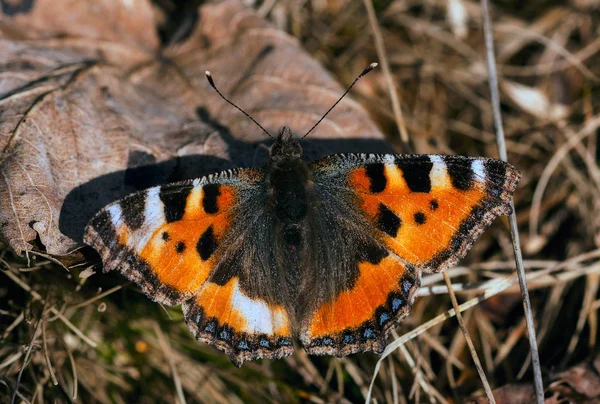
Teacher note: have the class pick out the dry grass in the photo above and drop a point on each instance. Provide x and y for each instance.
(67, 337)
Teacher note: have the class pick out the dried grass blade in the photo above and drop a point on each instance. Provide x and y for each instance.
(36, 296)
(495, 287)
(463, 328)
(381, 53)
(514, 230)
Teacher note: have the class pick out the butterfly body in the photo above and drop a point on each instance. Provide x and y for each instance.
(329, 252)
(288, 178)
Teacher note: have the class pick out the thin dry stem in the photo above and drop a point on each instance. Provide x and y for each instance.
(382, 54)
(73, 370)
(591, 291)
(589, 129)
(495, 288)
(36, 296)
(46, 356)
(166, 348)
(27, 356)
(472, 350)
(514, 229)
(425, 385)
(96, 298)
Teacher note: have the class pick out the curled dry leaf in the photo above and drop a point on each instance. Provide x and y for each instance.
(509, 394)
(579, 384)
(92, 108)
(583, 379)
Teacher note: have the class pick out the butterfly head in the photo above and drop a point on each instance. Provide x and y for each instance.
(285, 146)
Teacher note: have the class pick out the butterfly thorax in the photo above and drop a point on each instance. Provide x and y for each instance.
(288, 179)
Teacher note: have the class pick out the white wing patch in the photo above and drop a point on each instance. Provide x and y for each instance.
(259, 317)
(479, 170)
(154, 218)
(439, 173)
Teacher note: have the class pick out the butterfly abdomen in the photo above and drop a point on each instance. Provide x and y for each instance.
(289, 183)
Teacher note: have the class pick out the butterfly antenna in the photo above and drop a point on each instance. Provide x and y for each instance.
(212, 84)
(367, 70)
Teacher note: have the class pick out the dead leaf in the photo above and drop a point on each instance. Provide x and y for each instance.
(579, 384)
(92, 108)
(583, 379)
(509, 394)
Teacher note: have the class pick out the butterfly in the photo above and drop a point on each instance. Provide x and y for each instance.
(327, 253)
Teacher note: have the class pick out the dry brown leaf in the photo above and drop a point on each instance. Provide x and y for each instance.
(583, 379)
(509, 394)
(92, 108)
(579, 384)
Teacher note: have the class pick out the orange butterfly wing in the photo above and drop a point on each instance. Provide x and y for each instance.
(170, 240)
(425, 211)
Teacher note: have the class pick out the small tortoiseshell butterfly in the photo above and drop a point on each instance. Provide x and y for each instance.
(330, 252)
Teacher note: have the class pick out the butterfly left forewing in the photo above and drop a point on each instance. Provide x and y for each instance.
(191, 243)
(165, 238)
(424, 212)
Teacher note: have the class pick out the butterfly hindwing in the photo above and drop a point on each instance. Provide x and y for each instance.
(245, 328)
(422, 213)
(183, 243)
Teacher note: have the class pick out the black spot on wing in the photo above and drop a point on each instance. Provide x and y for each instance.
(180, 247)
(174, 199)
(388, 221)
(495, 171)
(106, 231)
(371, 253)
(207, 244)
(433, 204)
(209, 200)
(460, 172)
(420, 218)
(376, 174)
(495, 168)
(165, 236)
(415, 170)
(133, 210)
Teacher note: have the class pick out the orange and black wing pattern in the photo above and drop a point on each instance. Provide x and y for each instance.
(423, 213)
(173, 242)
